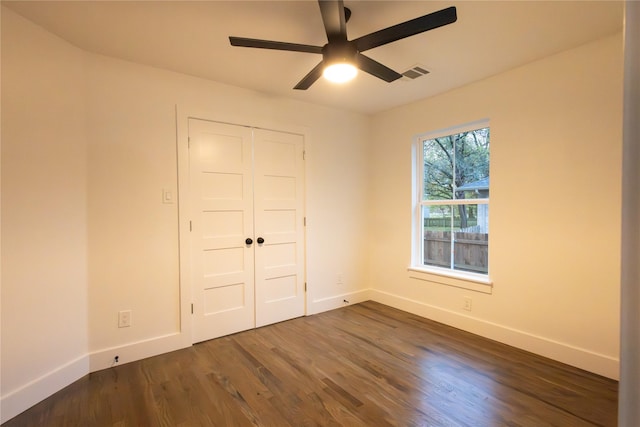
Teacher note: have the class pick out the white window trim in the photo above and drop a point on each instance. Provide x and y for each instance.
(444, 276)
(458, 279)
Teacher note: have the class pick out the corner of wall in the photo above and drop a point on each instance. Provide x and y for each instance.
(21, 399)
(336, 301)
(103, 359)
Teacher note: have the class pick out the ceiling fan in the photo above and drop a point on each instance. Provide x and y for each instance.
(344, 53)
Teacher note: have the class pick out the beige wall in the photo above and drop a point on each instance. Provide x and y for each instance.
(44, 213)
(555, 206)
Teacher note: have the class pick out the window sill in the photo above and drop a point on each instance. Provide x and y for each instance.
(458, 279)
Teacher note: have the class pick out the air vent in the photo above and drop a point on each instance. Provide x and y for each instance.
(414, 72)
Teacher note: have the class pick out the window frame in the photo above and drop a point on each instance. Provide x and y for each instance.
(418, 270)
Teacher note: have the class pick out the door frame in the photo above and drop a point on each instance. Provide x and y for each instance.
(183, 114)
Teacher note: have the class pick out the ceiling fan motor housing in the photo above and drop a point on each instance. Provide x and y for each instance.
(339, 53)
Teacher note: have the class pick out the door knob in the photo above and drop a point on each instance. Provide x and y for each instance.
(248, 241)
(260, 240)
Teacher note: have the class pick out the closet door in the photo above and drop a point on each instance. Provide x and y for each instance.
(279, 225)
(221, 193)
(247, 227)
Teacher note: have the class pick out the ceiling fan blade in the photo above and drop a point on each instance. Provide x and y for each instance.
(268, 44)
(334, 20)
(406, 29)
(376, 69)
(310, 78)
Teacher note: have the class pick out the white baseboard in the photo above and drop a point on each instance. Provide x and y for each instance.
(21, 399)
(337, 301)
(103, 359)
(600, 364)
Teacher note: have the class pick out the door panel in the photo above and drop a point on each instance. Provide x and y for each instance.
(279, 219)
(220, 187)
(222, 197)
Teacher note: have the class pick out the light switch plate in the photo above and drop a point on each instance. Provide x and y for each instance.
(167, 196)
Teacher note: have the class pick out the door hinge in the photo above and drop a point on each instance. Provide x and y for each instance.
(304, 155)
(190, 226)
(305, 286)
(188, 142)
(191, 308)
(304, 221)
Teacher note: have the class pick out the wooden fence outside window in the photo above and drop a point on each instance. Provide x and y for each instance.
(471, 250)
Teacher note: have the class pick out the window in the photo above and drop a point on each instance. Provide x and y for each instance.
(451, 210)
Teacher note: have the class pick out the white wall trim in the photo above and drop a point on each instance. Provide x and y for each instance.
(600, 364)
(131, 352)
(442, 276)
(21, 399)
(185, 112)
(337, 301)
(184, 212)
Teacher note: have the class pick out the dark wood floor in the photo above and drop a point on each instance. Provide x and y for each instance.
(363, 365)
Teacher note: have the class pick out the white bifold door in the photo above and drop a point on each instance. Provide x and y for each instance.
(247, 227)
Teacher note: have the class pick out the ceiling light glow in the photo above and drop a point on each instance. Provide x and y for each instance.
(340, 72)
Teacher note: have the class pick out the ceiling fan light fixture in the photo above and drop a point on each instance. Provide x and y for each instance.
(341, 57)
(340, 72)
(339, 61)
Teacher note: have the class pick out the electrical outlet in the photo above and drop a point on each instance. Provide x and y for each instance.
(124, 319)
(467, 304)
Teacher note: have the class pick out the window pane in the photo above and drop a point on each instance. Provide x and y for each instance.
(455, 170)
(438, 168)
(437, 235)
(471, 238)
(472, 164)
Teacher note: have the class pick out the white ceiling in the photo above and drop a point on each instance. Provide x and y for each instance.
(191, 37)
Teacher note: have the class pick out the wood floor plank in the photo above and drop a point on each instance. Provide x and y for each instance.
(362, 365)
